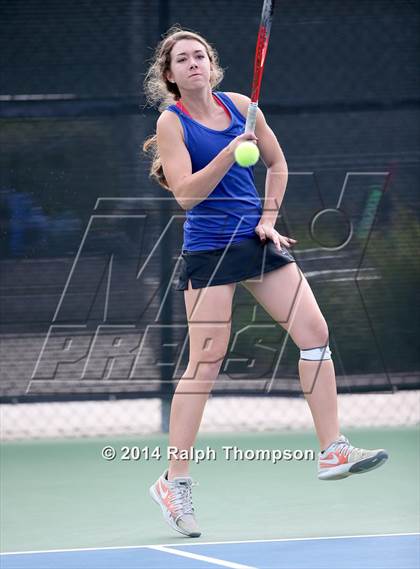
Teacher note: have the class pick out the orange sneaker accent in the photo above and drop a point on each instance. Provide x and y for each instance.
(333, 459)
(165, 493)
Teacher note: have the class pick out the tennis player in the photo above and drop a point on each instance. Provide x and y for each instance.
(230, 238)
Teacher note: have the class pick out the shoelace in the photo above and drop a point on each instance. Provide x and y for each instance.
(343, 447)
(182, 499)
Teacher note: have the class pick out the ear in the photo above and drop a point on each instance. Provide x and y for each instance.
(170, 77)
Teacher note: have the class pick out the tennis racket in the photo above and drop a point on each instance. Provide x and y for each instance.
(260, 55)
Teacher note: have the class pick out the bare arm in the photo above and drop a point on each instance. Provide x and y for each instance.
(190, 189)
(277, 171)
(276, 179)
(273, 158)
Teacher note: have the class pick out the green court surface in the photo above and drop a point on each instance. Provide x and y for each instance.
(63, 494)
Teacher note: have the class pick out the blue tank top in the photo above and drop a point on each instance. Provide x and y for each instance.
(233, 209)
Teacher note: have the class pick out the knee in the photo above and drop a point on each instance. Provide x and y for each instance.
(316, 333)
(206, 367)
(315, 346)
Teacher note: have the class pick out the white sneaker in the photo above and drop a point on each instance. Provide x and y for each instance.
(175, 499)
(341, 459)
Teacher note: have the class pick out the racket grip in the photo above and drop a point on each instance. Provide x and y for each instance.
(251, 117)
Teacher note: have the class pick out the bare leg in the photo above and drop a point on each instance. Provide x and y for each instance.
(322, 398)
(209, 313)
(287, 297)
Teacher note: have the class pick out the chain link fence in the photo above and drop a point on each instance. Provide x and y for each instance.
(90, 343)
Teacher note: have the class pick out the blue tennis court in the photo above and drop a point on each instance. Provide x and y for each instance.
(400, 551)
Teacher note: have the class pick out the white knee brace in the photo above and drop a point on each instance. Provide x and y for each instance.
(316, 354)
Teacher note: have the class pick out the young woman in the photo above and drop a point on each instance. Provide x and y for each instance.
(230, 238)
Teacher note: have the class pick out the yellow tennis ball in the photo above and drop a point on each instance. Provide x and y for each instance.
(247, 154)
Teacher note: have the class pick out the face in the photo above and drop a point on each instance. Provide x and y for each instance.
(190, 65)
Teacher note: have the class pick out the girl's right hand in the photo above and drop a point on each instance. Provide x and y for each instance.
(246, 136)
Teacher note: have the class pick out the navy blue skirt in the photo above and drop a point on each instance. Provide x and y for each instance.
(240, 261)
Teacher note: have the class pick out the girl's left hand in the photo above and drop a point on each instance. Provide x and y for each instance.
(265, 230)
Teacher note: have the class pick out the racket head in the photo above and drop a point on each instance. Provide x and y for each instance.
(261, 48)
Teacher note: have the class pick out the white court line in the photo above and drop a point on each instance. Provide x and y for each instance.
(208, 543)
(197, 557)
(297, 539)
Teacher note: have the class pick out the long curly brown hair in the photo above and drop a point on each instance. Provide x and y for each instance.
(161, 93)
